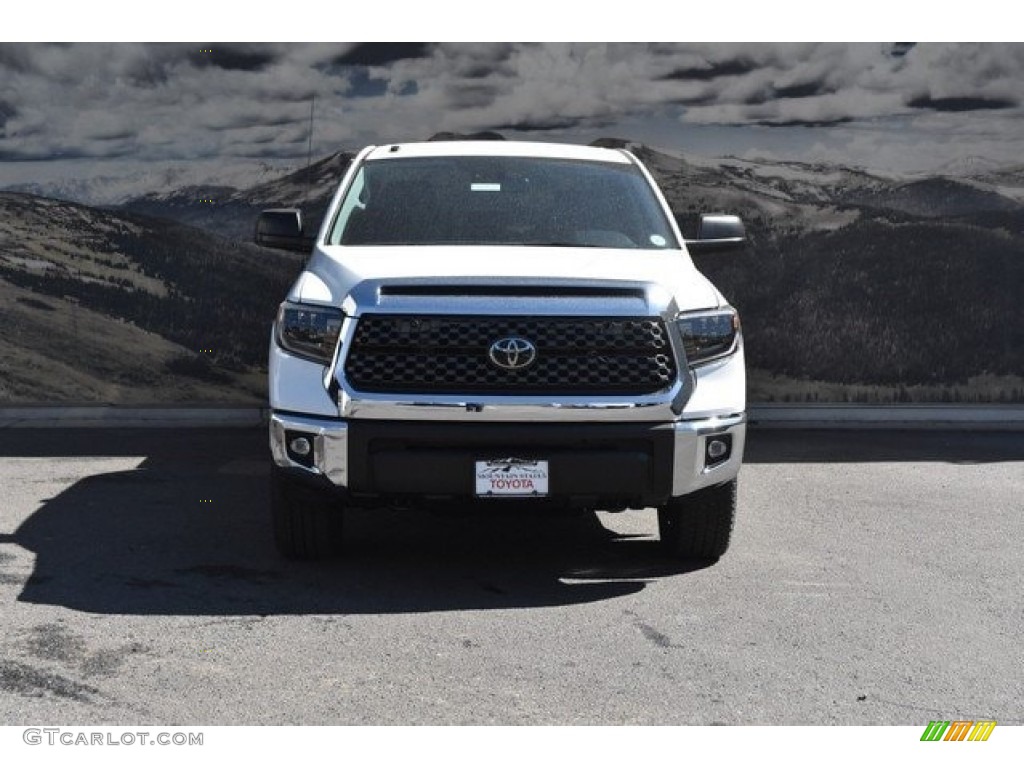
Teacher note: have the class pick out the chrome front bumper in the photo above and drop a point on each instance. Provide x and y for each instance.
(330, 448)
(329, 441)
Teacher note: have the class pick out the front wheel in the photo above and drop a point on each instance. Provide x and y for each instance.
(307, 523)
(698, 526)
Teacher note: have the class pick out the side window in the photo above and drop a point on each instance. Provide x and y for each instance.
(355, 200)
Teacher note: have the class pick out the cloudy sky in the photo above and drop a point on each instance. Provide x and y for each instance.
(92, 107)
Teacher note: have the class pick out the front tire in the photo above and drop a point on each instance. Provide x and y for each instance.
(698, 526)
(307, 523)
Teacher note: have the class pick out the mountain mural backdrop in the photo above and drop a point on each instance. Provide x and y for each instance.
(856, 286)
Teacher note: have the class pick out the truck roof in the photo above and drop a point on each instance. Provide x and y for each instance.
(498, 149)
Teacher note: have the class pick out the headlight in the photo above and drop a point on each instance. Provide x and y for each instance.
(308, 330)
(709, 335)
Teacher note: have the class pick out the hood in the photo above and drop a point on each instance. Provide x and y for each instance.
(335, 272)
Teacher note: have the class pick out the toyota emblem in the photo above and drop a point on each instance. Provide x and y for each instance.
(512, 353)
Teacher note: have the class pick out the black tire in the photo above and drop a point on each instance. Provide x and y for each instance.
(698, 526)
(307, 523)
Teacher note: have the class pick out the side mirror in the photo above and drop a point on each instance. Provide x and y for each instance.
(718, 232)
(282, 228)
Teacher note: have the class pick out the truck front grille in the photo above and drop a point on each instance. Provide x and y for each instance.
(455, 354)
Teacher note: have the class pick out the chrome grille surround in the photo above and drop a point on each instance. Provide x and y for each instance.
(449, 354)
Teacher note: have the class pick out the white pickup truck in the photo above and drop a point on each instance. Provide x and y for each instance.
(504, 323)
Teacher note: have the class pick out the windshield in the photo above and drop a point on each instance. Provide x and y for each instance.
(500, 201)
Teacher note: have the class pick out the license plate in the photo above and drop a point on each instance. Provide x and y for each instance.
(512, 477)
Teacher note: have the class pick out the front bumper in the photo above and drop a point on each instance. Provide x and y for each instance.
(638, 464)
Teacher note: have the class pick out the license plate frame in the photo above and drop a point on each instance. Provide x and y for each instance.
(511, 477)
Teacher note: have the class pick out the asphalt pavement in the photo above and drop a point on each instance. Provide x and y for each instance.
(874, 578)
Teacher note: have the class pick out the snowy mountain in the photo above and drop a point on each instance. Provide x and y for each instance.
(156, 179)
(231, 212)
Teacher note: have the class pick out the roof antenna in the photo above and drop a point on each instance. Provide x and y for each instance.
(309, 153)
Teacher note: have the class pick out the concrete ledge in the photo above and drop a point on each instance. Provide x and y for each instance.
(766, 416)
(849, 416)
(44, 417)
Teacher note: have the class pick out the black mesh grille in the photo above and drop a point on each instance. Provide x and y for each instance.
(450, 355)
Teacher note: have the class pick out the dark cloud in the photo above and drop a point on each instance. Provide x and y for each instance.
(250, 118)
(960, 103)
(700, 100)
(482, 71)
(122, 134)
(802, 123)
(464, 96)
(532, 126)
(802, 90)
(22, 132)
(713, 71)
(499, 53)
(771, 93)
(232, 56)
(152, 65)
(65, 153)
(270, 94)
(19, 156)
(380, 54)
(479, 62)
(901, 49)
(15, 57)
(147, 73)
(7, 111)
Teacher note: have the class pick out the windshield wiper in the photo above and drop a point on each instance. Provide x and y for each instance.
(561, 244)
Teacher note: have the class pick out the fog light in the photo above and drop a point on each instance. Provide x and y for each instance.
(717, 449)
(299, 446)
